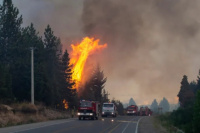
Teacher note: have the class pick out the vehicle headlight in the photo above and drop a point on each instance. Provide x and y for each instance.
(91, 113)
(112, 113)
(78, 113)
(102, 112)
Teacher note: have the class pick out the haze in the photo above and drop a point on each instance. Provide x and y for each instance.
(151, 44)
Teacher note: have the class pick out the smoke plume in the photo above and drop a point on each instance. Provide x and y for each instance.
(151, 45)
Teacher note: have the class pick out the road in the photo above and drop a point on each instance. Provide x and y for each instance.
(120, 124)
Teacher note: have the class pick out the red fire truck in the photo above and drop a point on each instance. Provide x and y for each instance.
(132, 110)
(88, 109)
(145, 111)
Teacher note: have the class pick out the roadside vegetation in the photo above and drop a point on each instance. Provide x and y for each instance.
(23, 113)
(186, 118)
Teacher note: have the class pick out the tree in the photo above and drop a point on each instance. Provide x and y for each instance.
(68, 92)
(119, 106)
(31, 38)
(22, 83)
(154, 106)
(132, 102)
(193, 86)
(196, 115)
(10, 36)
(5, 85)
(52, 67)
(10, 26)
(93, 88)
(164, 104)
(98, 82)
(186, 95)
(105, 96)
(198, 82)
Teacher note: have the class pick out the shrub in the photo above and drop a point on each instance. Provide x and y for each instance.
(28, 108)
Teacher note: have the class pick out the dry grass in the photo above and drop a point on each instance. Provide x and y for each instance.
(27, 113)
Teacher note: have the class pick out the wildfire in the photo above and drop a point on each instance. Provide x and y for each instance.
(79, 55)
(65, 104)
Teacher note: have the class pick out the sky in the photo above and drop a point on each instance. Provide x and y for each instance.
(151, 44)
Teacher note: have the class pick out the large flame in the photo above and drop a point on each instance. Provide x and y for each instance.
(79, 55)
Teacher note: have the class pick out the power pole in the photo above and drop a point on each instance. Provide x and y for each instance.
(32, 75)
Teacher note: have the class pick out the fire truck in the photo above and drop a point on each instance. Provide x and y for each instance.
(109, 109)
(132, 110)
(145, 111)
(88, 109)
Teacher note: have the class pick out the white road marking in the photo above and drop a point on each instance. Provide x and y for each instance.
(127, 125)
(42, 126)
(136, 130)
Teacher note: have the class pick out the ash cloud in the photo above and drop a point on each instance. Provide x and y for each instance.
(151, 45)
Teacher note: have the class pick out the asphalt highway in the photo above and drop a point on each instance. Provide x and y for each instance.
(120, 124)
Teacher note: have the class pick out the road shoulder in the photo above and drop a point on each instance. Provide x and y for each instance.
(148, 124)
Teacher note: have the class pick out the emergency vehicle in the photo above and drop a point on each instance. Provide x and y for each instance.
(109, 109)
(88, 109)
(132, 110)
(145, 111)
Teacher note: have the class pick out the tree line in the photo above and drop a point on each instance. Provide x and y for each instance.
(187, 116)
(53, 81)
(160, 108)
(52, 68)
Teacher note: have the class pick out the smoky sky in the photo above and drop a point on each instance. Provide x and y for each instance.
(151, 44)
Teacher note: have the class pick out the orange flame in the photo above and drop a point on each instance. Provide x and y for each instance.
(65, 104)
(80, 54)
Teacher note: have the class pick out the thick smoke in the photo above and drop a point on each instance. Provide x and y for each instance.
(63, 16)
(151, 45)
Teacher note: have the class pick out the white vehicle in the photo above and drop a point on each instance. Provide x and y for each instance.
(109, 109)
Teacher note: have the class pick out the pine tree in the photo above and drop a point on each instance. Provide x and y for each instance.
(10, 35)
(68, 92)
(154, 106)
(193, 86)
(10, 31)
(104, 96)
(119, 106)
(31, 38)
(93, 88)
(5, 84)
(198, 82)
(132, 102)
(52, 67)
(186, 95)
(164, 104)
(98, 83)
(196, 114)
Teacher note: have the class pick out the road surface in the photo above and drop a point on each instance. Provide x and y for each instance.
(120, 124)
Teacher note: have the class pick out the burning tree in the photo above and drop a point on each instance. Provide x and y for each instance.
(67, 93)
(93, 89)
(79, 56)
(74, 74)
